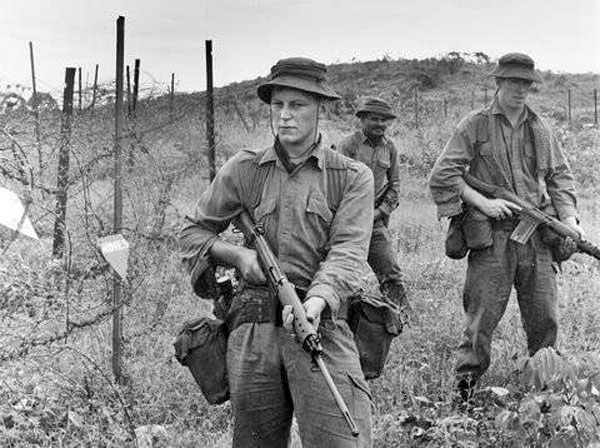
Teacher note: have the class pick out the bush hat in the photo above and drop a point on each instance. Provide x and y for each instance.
(376, 106)
(298, 73)
(516, 65)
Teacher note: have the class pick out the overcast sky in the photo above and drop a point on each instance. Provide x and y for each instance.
(250, 35)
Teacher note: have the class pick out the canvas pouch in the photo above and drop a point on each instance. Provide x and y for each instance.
(375, 322)
(201, 346)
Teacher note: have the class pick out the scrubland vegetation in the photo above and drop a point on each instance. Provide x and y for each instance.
(56, 384)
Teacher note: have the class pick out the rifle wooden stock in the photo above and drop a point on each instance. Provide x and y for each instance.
(532, 212)
(286, 293)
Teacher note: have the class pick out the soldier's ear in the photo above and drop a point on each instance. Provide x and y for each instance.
(323, 107)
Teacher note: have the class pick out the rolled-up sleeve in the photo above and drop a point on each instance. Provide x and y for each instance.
(446, 181)
(217, 206)
(560, 185)
(349, 238)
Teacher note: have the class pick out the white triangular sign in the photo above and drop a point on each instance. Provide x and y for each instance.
(11, 214)
(115, 250)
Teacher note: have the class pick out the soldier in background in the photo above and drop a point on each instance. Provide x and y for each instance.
(372, 147)
(509, 145)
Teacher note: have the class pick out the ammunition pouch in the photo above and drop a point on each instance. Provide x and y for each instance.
(455, 244)
(201, 346)
(470, 230)
(477, 229)
(374, 322)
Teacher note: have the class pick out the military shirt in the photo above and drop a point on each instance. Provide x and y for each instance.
(382, 159)
(317, 219)
(487, 145)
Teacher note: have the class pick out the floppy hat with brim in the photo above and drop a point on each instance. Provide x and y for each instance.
(376, 106)
(298, 73)
(516, 65)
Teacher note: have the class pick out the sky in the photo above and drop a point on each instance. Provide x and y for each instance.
(249, 36)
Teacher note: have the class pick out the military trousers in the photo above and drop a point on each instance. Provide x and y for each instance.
(491, 274)
(383, 262)
(271, 378)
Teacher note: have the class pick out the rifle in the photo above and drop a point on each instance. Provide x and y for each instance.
(531, 217)
(286, 292)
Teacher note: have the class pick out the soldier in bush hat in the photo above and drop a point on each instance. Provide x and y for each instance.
(371, 146)
(314, 207)
(506, 144)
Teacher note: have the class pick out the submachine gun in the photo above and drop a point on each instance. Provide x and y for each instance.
(531, 217)
(286, 293)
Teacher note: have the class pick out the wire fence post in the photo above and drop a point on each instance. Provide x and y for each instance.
(210, 117)
(36, 110)
(80, 90)
(95, 88)
(58, 247)
(136, 85)
(118, 200)
(172, 95)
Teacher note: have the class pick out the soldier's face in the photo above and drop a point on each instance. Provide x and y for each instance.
(374, 124)
(294, 114)
(512, 92)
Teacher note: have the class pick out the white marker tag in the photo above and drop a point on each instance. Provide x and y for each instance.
(115, 250)
(11, 214)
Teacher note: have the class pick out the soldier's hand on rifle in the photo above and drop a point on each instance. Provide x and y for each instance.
(571, 221)
(498, 208)
(313, 307)
(249, 267)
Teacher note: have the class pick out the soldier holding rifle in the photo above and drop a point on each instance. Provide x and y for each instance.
(314, 208)
(506, 145)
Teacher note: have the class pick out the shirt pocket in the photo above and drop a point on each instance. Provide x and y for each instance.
(485, 149)
(265, 211)
(383, 161)
(319, 217)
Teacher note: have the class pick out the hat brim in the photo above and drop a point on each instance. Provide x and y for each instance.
(516, 72)
(293, 82)
(387, 115)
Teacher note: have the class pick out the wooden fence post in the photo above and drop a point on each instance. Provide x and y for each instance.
(80, 90)
(172, 95)
(118, 200)
(62, 181)
(210, 112)
(569, 105)
(445, 108)
(36, 111)
(95, 88)
(136, 85)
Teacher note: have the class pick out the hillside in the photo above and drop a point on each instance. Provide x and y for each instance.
(56, 382)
